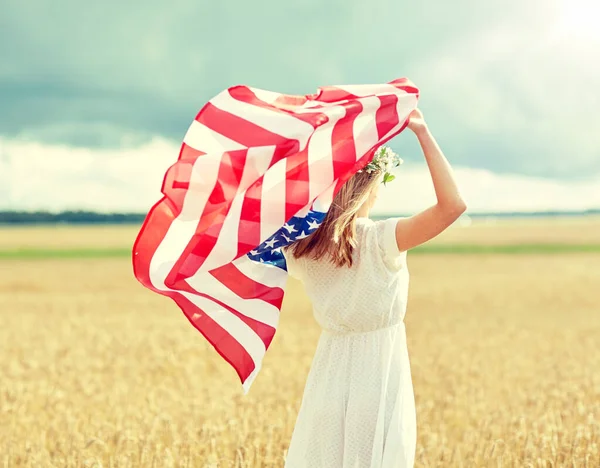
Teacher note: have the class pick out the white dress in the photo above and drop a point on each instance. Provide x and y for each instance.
(358, 408)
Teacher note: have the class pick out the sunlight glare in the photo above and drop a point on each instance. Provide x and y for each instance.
(580, 18)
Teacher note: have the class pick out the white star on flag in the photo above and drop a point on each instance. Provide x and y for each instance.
(271, 243)
(289, 228)
(313, 224)
(287, 239)
(301, 236)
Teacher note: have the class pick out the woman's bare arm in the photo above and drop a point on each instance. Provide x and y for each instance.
(417, 229)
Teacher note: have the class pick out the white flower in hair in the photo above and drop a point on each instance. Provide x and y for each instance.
(384, 160)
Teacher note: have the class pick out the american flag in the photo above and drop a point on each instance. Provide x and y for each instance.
(257, 171)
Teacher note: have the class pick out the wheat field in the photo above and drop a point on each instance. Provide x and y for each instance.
(96, 371)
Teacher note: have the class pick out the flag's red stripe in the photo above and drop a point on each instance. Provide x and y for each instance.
(264, 331)
(247, 133)
(386, 117)
(225, 344)
(284, 106)
(344, 149)
(405, 85)
(238, 129)
(187, 153)
(246, 287)
(249, 227)
(296, 183)
(154, 229)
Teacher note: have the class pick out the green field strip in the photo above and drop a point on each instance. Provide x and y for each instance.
(35, 254)
(504, 249)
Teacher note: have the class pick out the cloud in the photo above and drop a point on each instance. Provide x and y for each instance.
(486, 191)
(522, 100)
(57, 177)
(502, 90)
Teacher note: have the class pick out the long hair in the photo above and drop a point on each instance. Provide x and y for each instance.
(335, 238)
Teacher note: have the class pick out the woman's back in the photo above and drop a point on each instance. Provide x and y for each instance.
(369, 295)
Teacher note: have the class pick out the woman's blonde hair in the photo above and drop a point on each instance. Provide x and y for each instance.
(335, 239)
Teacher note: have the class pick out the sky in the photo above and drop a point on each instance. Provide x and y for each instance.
(96, 98)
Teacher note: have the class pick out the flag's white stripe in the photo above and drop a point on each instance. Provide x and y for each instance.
(202, 138)
(371, 89)
(250, 379)
(303, 211)
(364, 128)
(204, 175)
(267, 96)
(235, 326)
(272, 207)
(323, 201)
(311, 103)
(225, 249)
(319, 107)
(320, 163)
(275, 122)
(257, 163)
(256, 309)
(262, 273)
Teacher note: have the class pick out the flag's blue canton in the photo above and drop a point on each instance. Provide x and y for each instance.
(295, 229)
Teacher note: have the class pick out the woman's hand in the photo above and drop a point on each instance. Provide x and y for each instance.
(416, 121)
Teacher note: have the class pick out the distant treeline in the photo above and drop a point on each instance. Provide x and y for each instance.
(91, 217)
(69, 217)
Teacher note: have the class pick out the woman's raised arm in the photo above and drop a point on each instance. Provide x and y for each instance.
(420, 228)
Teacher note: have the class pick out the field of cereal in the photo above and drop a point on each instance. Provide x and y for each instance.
(96, 371)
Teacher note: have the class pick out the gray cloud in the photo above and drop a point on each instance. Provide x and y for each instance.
(129, 179)
(497, 93)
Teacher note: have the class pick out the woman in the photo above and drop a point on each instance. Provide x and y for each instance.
(358, 406)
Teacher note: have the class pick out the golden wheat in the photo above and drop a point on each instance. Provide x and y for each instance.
(546, 230)
(68, 237)
(95, 371)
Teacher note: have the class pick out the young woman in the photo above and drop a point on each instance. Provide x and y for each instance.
(358, 408)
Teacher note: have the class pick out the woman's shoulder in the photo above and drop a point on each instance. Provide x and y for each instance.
(364, 222)
(379, 237)
(291, 263)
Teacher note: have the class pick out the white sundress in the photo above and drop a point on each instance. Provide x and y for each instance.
(358, 408)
